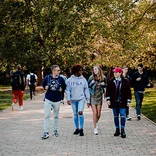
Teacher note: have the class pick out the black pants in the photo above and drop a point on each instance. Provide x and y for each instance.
(32, 90)
(127, 111)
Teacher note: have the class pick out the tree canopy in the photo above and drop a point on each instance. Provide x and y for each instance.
(39, 33)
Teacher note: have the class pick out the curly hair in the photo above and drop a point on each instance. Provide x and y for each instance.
(76, 68)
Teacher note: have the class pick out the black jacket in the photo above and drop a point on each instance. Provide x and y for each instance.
(142, 84)
(125, 93)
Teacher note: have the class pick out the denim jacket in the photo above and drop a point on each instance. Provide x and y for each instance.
(93, 85)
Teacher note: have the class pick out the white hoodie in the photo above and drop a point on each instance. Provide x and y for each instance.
(77, 89)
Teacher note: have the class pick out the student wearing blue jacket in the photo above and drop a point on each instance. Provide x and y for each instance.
(96, 82)
(54, 85)
(77, 93)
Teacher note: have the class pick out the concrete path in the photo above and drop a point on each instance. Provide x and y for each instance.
(21, 133)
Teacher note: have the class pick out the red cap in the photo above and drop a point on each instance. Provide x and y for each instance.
(117, 69)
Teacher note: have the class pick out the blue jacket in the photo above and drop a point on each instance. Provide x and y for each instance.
(93, 85)
(77, 89)
(54, 84)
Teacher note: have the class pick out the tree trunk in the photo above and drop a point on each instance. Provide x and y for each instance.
(39, 75)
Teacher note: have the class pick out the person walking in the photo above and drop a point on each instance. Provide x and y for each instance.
(125, 75)
(140, 82)
(96, 82)
(118, 97)
(31, 81)
(77, 93)
(54, 85)
(63, 75)
(18, 87)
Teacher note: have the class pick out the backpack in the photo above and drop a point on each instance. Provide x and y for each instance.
(16, 80)
(32, 79)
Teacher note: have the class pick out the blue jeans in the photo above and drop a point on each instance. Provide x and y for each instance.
(78, 106)
(138, 98)
(122, 112)
(47, 112)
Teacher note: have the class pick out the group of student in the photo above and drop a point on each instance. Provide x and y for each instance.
(79, 91)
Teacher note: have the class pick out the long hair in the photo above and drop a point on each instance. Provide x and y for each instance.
(99, 75)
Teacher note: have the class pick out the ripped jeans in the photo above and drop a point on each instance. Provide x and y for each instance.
(78, 108)
(122, 112)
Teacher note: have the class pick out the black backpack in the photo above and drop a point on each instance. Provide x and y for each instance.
(16, 80)
(32, 79)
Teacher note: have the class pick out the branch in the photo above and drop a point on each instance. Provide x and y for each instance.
(141, 18)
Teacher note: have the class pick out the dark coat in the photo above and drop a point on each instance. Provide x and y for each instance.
(142, 84)
(125, 93)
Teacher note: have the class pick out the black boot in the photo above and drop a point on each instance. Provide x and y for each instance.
(117, 132)
(139, 117)
(81, 132)
(123, 135)
(76, 132)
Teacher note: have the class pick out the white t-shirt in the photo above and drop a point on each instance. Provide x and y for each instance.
(28, 77)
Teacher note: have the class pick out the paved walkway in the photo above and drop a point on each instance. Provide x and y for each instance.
(21, 134)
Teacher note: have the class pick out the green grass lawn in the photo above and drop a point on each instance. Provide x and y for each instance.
(149, 104)
(5, 86)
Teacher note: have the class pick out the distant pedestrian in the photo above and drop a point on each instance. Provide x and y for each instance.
(118, 97)
(96, 82)
(140, 82)
(18, 87)
(64, 76)
(77, 93)
(125, 75)
(31, 81)
(54, 85)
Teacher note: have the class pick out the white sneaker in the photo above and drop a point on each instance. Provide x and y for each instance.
(13, 107)
(33, 97)
(95, 131)
(45, 135)
(20, 108)
(128, 117)
(55, 133)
